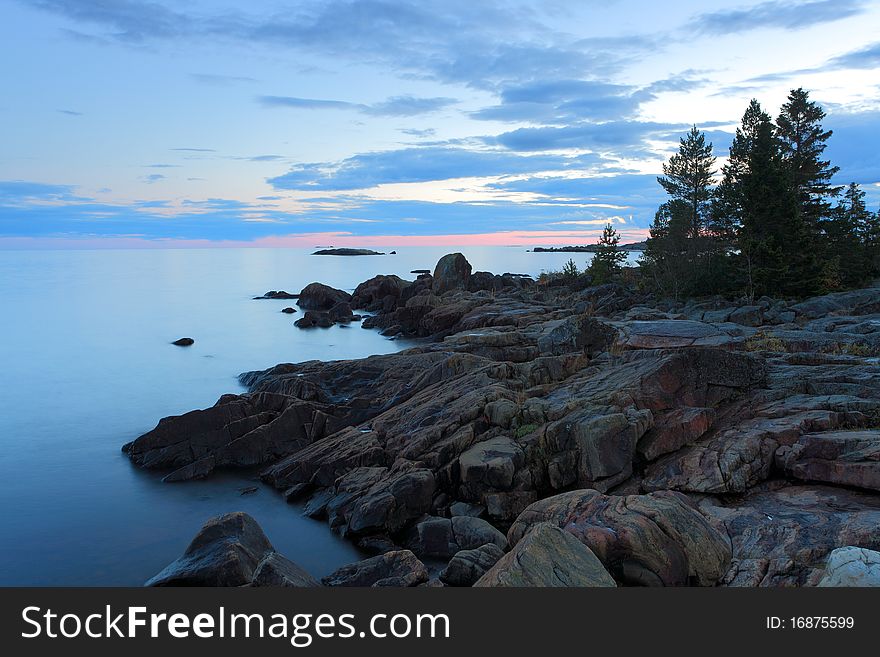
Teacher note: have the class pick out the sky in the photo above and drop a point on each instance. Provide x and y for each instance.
(131, 123)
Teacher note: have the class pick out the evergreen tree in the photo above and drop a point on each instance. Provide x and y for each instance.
(664, 258)
(608, 258)
(688, 179)
(848, 236)
(803, 142)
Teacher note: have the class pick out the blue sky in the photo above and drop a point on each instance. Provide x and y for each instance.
(293, 122)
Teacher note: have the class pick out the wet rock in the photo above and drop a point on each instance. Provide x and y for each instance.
(451, 273)
(548, 556)
(467, 566)
(278, 294)
(852, 566)
(647, 540)
(184, 342)
(379, 293)
(400, 568)
(313, 318)
(317, 296)
(288, 310)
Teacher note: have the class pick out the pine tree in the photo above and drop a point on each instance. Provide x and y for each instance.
(608, 258)
(848, 234)
(803, 141)
(688, 179)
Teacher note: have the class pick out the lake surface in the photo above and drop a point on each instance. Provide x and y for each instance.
(87, 364)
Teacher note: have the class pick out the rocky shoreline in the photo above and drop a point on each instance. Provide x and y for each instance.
(557, 435)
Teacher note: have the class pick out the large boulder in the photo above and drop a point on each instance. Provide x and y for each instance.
(399, 568)
(452, 272)
(548, 556)
(653, 540)
(231, 550)
(380, 293)
(852, 566)
(317, 296)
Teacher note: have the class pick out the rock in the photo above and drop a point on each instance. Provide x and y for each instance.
(844, 458)
(577, 334)
(679, 427)
(314, 318)
(184, 342)
(647, 540)
(467, 566)
(451, 273)
(347, 252)
(399, 568)
(781, 535)
(276, 570)
(225, 552)
(278, 294)
(437, 537)
(316, 296)
(238, 431)
(548, 556)
(501, 412)
(341, 312)
(673, 333)
(490, 465)
(854, 302)
(288, 310)
(466, 509)
(379, 293)
(852, 566)
(747, 316)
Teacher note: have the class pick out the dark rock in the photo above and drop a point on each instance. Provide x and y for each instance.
(317, 296)
(276, 570)
(347, 252)
(288, 310)
(184, 342)
(451, 273)
(278, 294)
(442, 538)
(548, 556)
(400, 568)
(467, 566)
(313, 318)
(379, 293)
(225, 552)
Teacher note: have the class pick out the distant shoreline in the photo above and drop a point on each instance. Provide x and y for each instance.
(590, 248)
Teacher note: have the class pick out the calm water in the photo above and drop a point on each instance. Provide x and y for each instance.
(84, 342)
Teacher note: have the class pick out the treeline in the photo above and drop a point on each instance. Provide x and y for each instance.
(772, 225)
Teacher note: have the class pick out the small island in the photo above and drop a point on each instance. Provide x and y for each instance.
(347, 252)
(588, 248)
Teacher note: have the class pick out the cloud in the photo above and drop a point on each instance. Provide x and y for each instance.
(776, 14)
(69, 112)
(565, 101)
(414, 132)
(161, 166)
(153, 178)
(220, 80)
(194, 150)
(416, 164)
(129, 20)
(864, 58)
(622, 137)
(394, 106)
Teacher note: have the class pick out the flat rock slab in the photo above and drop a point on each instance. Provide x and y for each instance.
(845, 458)
(852, 566)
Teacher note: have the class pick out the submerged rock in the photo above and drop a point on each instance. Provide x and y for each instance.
(184, 342)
